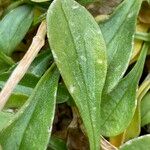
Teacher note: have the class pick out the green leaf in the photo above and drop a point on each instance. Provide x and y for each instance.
(62, 94)
(84, 2)
(22, 91)
(118, 107)
(6, 59)
(57, 144)
(134, 128)
(37, 115)
(41, 63)
(39, 1)
(140, 143)
(13, 28)
(118, 32)
(145, 109)
(81, 60)
(25, 87)
(5, 117)
(3, 66)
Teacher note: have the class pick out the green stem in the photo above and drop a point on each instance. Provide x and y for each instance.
(142, 36)
(40, 19)
(144, 88)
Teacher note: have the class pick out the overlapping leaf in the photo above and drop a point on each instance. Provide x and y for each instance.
(31, 127)
(25, 87)
(87, 1)
(22, 91)
(13, 28)
(145, 109)
(5, 117)
(141, 143)
(41, 63)
(79, 51)
(134, 128)
(118, 32)
(118, 107)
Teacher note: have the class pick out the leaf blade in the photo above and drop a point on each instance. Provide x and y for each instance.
(118, 107)
(23, 132)
(119, 50)
(81, 66)
(140, 143)
(13, 28)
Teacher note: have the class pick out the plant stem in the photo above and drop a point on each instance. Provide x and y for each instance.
(40, 19)
(142, 36)
(144, 88)
(37, 43)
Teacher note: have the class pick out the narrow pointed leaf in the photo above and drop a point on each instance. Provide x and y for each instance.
(13, 28)
(79, 51)
(85, 2)
(31, 127)
(118, 107)
(145, 109)
(5, 117)
(140, 143)
(21, 92)
(134, 128)
(24, 89)
(41, 63)
(118, 32)
(57, 144)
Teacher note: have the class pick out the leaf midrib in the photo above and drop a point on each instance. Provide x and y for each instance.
(79, 67)
(133, 77)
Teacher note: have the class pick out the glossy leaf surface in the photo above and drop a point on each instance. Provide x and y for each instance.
(24, 132)
(81, 59)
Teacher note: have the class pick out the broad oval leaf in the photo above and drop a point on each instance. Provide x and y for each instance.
(80, 54)
(118, 107)
(118, 32)
(13, 28)
(140, 143)
(31, 127)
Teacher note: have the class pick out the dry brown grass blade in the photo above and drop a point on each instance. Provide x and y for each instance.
(37, 43)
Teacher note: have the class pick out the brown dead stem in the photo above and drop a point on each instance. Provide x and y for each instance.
(37, 43)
